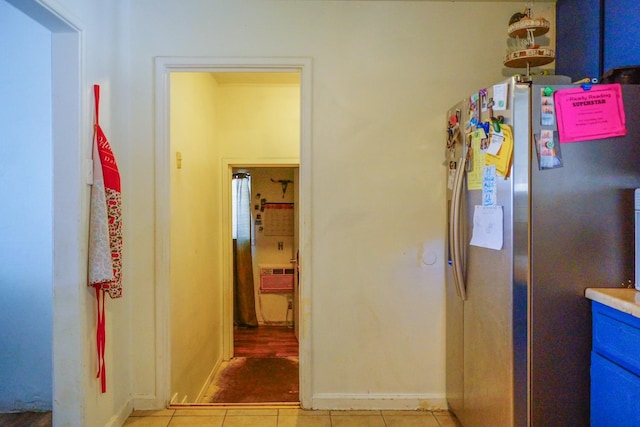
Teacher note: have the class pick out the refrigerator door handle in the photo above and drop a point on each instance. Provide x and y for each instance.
(454, 230)
(452, 241)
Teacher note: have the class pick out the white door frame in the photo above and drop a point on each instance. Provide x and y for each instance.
(163, 67)
(68, 209)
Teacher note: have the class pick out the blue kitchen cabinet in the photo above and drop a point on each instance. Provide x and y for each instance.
(593, 36)
(615, 368)
(621, 33)
(578, 44)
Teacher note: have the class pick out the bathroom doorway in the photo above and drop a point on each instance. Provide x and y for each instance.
(218, 119)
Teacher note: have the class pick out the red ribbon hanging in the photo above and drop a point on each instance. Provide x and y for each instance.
(101, 339)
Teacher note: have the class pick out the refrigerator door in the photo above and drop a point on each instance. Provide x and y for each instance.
(488, 320)
(582, 228)
(480, 328)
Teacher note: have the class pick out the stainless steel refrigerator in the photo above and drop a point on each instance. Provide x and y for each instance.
(518, 333)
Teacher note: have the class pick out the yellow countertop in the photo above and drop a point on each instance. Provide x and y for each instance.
(622, 299)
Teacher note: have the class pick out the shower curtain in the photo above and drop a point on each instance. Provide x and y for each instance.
(243, 288)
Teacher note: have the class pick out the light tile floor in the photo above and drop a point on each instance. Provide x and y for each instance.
(287, 417)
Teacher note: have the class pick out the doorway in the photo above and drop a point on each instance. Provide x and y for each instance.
(263, 368)
(44, 275)
(259, 150)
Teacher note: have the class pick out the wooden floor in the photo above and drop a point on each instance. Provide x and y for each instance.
(265, 341)
(26, 419)
(264, 368)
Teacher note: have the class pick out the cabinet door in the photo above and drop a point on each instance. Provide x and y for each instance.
(578, 46)
(615, 394)
(621, 33)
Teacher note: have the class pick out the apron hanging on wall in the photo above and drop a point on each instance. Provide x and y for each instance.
(105, 233)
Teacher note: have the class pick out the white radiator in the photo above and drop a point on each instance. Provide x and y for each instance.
(276, 279)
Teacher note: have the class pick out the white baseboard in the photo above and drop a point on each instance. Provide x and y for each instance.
(209, 379)
(336, 401)
(148, 403)
(325, 401)
(153, 402)
(121, 415)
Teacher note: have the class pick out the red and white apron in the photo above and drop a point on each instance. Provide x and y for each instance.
(105, 232)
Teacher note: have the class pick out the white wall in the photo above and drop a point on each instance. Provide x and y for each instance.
(196, 288)
(384, 73)
(26, 227)
(84, 37)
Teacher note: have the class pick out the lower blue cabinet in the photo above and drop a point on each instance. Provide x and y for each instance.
(615, 395)
(615, 368)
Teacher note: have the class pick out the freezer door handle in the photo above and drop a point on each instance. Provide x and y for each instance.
(454, 229)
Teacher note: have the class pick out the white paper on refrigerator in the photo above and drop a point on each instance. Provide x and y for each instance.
(487, 227)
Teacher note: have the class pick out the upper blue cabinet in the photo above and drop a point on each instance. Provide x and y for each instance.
(621, 33)
(593, 36)
(578, 43)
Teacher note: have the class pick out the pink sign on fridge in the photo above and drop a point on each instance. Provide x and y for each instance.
(590, 112)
